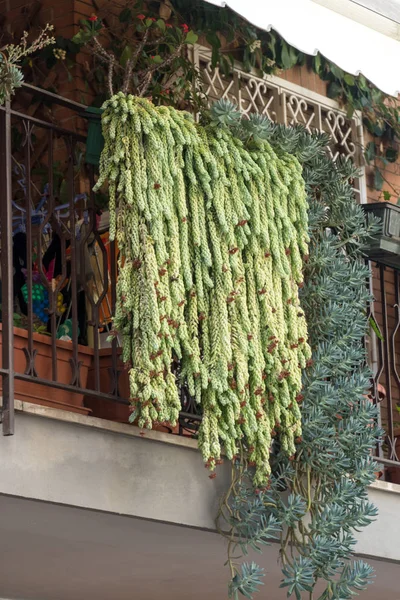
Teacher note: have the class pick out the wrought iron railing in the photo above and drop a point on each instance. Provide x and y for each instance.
(383, 346)
(58, 276)
(58, 272)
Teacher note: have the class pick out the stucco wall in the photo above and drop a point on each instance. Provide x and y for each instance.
(108, 466)
(65, 458)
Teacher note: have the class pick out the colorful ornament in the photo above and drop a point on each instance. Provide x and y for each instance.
(40, 300)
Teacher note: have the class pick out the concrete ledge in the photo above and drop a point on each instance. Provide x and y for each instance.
(386, 486)
(66, 458)
(102, 424)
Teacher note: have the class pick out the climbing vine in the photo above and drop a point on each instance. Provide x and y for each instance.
(213, 233)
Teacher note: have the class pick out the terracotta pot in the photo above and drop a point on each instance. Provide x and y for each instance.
(37, 393)
(107, 409)
(393, 474)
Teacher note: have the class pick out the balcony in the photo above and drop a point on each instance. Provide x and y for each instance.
(82, 492)
(59, 272)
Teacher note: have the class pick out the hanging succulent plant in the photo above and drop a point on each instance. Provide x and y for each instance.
(11, 56)
(212, 236)
(11, 78)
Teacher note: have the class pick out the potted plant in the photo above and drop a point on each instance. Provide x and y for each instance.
(107, 409)
(100, 407)
(94, 140)
(44, 394)
(40, 365)
(385, 246)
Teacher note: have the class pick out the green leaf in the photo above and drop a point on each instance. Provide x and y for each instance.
(378, 130)
(370, 152)
(334, 90)
(17, 319)
(378, 179)
(225, 65)
(362, 82)
(288, 56)
(82, 37)
(148, 22)
(191, 38)
(350, 111)
(215, 44)
(161, 24)
(376, 95)
(157, 59)
(391, 155)
(125, 16)
(126, 54)
(386, 196)
(336, 71)
(317, 63)
(349, 79)
(272, 44)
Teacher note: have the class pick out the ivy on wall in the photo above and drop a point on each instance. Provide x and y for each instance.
(145, 34)
(231, 37)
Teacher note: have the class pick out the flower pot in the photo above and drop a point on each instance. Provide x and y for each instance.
(385, 247)
(95, 139)
(107, 409)
(393, 474)
(37, 393)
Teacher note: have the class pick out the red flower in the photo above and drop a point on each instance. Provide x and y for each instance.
(185, 28)
(141, 17)
(152, 19)
(93, 18)
(168, 25)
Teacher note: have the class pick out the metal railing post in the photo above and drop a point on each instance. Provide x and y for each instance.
(6, 272)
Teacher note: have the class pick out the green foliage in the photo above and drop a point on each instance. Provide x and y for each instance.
(298, 576)
(212, 233)
(142, 54)
(247, 582)
(12, 56)
(328, 478)
(272, 54)
(88, 30)
(11, 78)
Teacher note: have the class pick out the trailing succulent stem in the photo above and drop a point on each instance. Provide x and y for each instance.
(212, 234)
(315, 502)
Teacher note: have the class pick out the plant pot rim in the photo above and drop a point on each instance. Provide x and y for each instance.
(94, 113)
(46, 340)
(373, 205)
(108, 351)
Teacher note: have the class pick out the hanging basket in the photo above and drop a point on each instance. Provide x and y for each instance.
(385, 247)
(95, 140)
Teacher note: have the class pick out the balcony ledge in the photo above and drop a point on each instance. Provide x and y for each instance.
(102, 424)
(70, 459)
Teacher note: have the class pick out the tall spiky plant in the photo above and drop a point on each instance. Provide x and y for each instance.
(325, 487)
